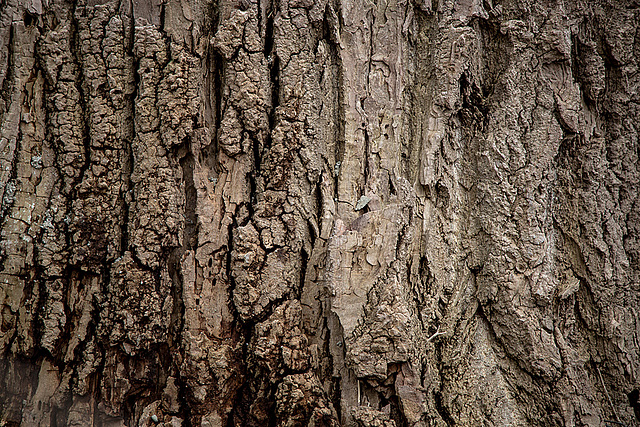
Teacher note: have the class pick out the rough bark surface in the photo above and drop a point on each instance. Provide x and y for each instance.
(319, 213)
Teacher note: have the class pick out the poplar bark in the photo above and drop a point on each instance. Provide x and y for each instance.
(319, 213)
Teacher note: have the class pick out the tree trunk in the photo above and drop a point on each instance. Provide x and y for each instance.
(322, 213)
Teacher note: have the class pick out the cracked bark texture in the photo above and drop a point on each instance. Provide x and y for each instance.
(319, 213)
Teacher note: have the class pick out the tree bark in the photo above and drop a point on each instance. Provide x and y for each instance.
(319, 213)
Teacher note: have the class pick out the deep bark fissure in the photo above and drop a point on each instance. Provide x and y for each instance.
(177, 289)
(274, 69)
(442, 410)
(217, 92)
(127, 169)
(366, 172)
(190, 195)
(9, 75)
(76, 53)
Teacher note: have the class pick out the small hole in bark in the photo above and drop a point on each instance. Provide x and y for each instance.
(442, 193)
(28, 19)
